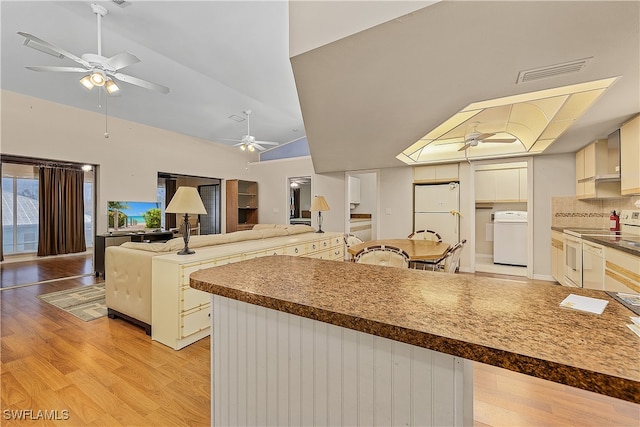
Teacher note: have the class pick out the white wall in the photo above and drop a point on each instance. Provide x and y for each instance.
(129, 160)
(273, 188)
(553, 175)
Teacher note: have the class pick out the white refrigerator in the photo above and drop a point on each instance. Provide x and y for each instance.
(436, 207)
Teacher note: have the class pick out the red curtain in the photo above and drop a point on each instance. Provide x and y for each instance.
(61, 222)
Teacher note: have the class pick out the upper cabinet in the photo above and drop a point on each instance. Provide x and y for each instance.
(436, 173)
(354, 190)
(506, 183)
(598, 169)
(630, 157)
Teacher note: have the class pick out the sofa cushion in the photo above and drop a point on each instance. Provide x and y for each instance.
(205, 240)
(149, 247)
(299, 229)
(263, 226)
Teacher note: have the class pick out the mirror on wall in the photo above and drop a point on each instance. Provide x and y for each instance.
(299, 200)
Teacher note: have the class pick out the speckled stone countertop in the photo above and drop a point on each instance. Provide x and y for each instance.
(503, 323)
(615, 241)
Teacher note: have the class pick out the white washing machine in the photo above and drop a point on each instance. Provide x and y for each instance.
(510, 238)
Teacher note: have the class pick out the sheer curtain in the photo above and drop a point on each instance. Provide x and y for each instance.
(61, 223)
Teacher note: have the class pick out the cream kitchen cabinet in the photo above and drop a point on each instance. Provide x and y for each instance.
(622, 271)
(598, 169)
(501, 185)
(630, 157)
(557, 256)
(522, 172)
(436, 173)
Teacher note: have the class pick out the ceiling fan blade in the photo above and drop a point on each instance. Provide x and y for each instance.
(122, 59)
(484, 136)
(229, 139)
(465, 146)
(258, 146)
(142, 83)
(58, 69)
(500, 140)
(31, 38)
(267, 143)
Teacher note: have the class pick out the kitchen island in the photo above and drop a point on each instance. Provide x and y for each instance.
(286, 305)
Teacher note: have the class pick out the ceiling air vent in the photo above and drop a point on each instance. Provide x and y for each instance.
(553, 70)
(121, 3)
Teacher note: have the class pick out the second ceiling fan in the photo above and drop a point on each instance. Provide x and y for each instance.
(248, 141)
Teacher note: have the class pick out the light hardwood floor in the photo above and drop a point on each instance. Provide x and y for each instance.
(109, 373)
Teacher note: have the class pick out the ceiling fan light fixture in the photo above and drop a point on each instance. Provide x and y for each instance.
(243, 147)
(111, 86)
(86, 82)
(98, 78)
(251, 148)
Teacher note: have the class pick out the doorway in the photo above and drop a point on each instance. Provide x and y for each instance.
(503, 220)
(361, 217)
(299, 200)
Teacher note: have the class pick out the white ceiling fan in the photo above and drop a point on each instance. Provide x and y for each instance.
(100, 71)
(472, 139)
(249, 142)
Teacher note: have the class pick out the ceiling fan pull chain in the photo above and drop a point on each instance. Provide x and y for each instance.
(106, 116)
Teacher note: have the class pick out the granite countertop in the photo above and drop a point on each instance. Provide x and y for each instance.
(512, 325)
(620, 243)
(617, 241)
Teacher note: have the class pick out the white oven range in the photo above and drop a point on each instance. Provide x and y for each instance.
(574, 249)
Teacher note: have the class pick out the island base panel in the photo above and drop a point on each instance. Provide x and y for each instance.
(275, 368)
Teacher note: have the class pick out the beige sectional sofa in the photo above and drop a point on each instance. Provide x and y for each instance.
(128, 267)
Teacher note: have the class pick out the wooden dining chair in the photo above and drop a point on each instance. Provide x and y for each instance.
(449, 263)
(425, 235)
(352, 239)
(389, 256)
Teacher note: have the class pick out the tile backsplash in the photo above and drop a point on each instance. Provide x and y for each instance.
(571, 212)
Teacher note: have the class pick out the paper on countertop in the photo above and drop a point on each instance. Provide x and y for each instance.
(578, 302)
(635, 328)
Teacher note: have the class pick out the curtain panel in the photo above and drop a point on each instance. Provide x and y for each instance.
(61, 222)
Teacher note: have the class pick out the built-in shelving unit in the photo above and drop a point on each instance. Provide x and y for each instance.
(242, 205)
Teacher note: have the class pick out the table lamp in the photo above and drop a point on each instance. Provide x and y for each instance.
(319, 204)
(186, 200)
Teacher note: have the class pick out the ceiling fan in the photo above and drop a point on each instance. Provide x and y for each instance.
(472, 139)
(100, 71)
(249, 142)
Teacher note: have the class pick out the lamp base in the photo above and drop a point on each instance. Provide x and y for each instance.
(319, 231)
(186, 251)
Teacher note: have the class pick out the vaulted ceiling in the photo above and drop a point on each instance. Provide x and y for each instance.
(370, 78)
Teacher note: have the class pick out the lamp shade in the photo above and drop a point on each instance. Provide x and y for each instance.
(319, 204)
(186, 200)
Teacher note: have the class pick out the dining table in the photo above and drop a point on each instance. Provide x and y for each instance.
(418, 250)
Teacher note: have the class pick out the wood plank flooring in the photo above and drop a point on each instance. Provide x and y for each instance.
(108, 372)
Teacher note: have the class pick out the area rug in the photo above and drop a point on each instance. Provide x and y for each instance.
(86, 303)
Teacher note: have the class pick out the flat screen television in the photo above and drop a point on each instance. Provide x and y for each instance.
(134, 216)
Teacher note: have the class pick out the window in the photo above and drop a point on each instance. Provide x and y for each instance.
(19, 209)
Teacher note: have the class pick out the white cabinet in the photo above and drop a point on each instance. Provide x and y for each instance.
(501, 185)
(180, 315)
(354, 190)
(522, 179)
(436, 173)
(622, 271)
(557, 256)
(630, 157)
(597, 170)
